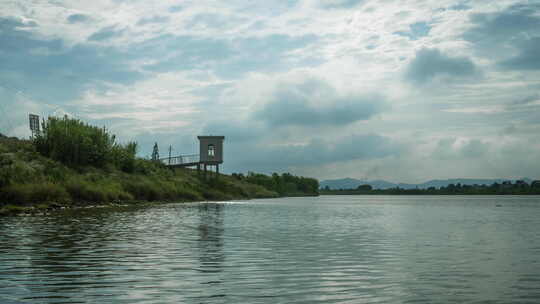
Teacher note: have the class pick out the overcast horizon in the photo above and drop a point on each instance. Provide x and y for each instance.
(405, 91)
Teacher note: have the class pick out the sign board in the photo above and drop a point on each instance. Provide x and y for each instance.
(34, 123)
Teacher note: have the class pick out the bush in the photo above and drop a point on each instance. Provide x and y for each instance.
(123, 157)
(13, 144)
(13, 169)
(75, 143)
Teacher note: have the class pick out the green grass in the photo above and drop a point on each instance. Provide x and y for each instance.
(27, 194)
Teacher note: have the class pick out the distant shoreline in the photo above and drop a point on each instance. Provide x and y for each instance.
(427, 194)
(524, 191)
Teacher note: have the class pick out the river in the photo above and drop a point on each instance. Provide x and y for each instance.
(328, 249)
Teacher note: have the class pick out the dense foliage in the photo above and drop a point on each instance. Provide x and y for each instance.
(519, 187)
(285, 184)
(76, 143)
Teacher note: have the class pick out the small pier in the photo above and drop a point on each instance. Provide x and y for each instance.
(210, 155)
(181, 161)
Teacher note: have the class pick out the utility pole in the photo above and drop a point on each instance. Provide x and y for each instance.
(170, 151)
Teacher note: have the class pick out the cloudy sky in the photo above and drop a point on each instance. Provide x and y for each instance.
(400, 90)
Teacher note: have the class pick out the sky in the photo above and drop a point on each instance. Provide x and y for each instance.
(400, 90)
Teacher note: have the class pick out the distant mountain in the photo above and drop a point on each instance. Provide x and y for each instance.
(351, 183)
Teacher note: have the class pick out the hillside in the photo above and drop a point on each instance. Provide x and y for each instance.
(28, 179)
(51, 171)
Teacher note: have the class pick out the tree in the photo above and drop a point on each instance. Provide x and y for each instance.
(364, 188)
(155, 153)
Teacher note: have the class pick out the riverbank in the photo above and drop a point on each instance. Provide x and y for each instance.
(34, 184)
(47, 208)
(31, 182)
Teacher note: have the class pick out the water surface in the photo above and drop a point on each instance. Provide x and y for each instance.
(330, 249)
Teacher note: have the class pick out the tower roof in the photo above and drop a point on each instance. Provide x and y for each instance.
(210, 137)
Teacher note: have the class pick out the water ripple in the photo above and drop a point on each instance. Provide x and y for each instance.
(297, 250)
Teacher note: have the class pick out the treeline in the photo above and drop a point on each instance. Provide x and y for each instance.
(285, 184)
(505, 188)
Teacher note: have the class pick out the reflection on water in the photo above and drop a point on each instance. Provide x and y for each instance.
(297, 250)
(210, 241)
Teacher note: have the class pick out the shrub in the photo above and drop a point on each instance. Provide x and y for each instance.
(16, 171)
(75, 143)
(13, 144)
(123, 156)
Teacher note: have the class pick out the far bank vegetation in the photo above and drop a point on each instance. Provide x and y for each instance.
(506, 188)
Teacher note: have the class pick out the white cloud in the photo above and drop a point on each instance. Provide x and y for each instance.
(179, 69)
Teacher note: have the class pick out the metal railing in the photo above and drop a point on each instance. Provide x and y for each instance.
(181, 160)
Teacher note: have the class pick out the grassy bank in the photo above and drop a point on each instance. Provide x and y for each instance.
(52, 172)
(29, 180)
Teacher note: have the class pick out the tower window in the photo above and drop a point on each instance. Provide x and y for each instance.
(211, 151)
